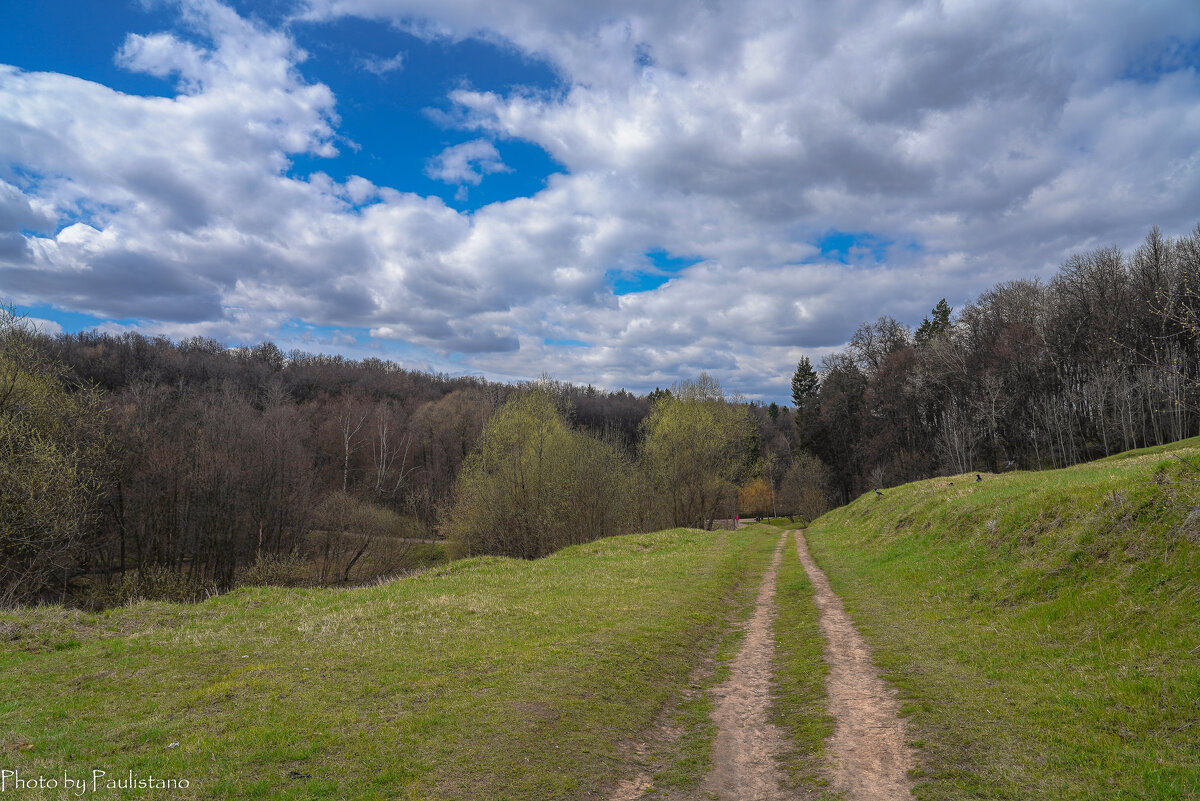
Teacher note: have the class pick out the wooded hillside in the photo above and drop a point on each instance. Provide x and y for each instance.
(1102, 358)
(207, 466)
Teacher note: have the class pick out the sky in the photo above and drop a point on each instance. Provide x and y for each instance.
(613, 192)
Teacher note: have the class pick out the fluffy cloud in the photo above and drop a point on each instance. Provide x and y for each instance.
(972, 142)
(466, 164)
(48, 327)
(984, 141)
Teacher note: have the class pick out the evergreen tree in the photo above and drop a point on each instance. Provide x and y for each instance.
(804, 382)
(773, 410)
(929, 329)
(941, 316)
(657, 395)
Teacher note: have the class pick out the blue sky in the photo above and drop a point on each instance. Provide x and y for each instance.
(386, 129)
(390, 114)
(618, 194)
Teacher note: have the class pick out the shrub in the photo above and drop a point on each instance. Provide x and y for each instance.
(275, 570)
(352, 533)
(533, 485)
(153, 583)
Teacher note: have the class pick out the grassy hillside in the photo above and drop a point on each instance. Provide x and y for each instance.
(1043, 627)
(488, 678)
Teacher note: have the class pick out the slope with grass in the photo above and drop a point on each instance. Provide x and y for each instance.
(488, 678)
(1044, 628)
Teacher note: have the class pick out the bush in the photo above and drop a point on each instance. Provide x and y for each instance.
(154, 583)
(352, 533)
(274, 570)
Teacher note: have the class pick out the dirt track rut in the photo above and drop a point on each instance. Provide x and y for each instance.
(870, 754)
(747, 744)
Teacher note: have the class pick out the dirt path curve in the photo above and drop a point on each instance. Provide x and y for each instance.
(870, 753)
(744, 753)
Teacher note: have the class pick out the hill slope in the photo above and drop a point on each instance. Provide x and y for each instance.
(1044, 627)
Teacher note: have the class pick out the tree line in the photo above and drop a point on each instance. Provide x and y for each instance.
(1102, 357)
(136, 466)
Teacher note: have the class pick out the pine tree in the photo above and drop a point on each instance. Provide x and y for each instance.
(657, 395)
(941, 317)
(804, 382)
(924, 332)
(929, 329)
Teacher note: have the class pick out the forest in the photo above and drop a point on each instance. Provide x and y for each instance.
(1101, 358)
(141, 467)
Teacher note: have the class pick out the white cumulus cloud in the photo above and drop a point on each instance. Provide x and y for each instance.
(466, 163)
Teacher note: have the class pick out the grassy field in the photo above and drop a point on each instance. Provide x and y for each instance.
(1044, 628)
(488, 678)
(682, 755)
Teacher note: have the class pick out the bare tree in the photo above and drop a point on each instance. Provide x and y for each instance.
(390, 452)
(351, 419)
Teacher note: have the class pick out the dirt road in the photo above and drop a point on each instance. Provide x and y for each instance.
(744, 764)
(870, 755)
(747, 744)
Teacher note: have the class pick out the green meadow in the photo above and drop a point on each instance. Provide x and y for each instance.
(487, 678)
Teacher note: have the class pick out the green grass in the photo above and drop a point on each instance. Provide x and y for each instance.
(799, 701)
(687, 756)
(487, 678)
(786, 522)
(1043, 628)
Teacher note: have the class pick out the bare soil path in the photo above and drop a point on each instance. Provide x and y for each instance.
(744, 753)
(747, 743)
(871, 757)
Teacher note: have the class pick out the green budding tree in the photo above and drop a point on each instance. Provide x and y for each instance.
(51, 460)
(695, 453)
